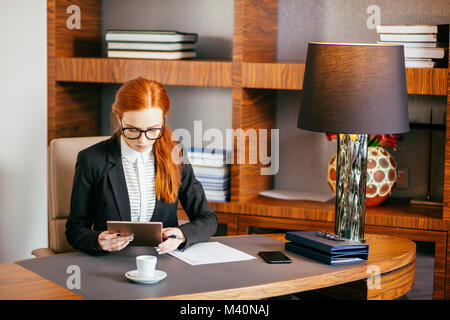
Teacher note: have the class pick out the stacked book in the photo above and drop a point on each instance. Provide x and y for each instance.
(426, 46)
(212, 169)
(150, 44)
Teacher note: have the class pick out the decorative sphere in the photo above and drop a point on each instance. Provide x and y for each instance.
(381, 175)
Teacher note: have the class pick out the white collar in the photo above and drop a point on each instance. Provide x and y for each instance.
(131, 154)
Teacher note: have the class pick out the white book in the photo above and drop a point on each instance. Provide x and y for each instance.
(418, 28)
(215, 181)
(166, 55)
(211, 171)
(208, 188)
(426, 37)
(197, 161)
(218, 199)
(222, 183)
(418, 59)
(204, 153)
(417, 44)
(215, 197)
(433, 53)
(219, 193)
(152, 46)
(419, 64)
(150, 36)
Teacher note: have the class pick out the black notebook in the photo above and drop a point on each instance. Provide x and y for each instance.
(333, 252)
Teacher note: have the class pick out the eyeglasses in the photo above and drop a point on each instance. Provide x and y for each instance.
(135, 133)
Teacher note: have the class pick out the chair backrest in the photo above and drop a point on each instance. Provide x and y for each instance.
(62, 156)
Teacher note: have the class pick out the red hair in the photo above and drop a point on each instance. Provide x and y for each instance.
(135, 95)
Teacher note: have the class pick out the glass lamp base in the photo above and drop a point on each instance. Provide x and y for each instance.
(351, 176)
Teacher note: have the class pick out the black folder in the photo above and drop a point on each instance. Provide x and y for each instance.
(311, 245)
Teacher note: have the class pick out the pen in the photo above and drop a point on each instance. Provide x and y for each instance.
(173, 237)
(331, 236)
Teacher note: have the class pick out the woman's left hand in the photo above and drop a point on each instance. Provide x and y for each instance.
(170, 244)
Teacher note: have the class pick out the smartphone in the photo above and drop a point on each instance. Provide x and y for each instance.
(274, 257)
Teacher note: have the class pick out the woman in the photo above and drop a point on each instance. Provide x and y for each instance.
(136, 176)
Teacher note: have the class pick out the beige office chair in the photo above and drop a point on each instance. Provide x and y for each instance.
(62, 156)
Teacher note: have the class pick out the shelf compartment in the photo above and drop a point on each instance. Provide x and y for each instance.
(205, 73)
(394, 212)
(289, 75)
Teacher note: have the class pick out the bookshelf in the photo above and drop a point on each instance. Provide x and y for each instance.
(204, 73)
(76, 71)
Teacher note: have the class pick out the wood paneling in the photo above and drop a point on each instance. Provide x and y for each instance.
(393, 213)
(447, 269)
(231, 221)
(245, 222)
(205, 73)
(277, 75)
(260, 26)
(446, 197)
(431, 81)
(77, 110)
(255, 29)
(73, 109)
(83, 42)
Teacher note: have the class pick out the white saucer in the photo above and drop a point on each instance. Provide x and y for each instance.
(157, 276)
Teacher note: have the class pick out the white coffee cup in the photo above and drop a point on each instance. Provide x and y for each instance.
(146, 265)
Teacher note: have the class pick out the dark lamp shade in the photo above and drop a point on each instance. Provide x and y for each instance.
(355, 89)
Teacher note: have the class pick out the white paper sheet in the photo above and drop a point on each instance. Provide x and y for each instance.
(210, 252)
(296, 195)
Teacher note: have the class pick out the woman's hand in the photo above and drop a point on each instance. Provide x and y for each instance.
(170, 244)
(113, 241)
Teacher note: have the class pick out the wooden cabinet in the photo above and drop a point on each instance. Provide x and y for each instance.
(76, 71)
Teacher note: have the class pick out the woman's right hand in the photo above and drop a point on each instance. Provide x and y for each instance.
(113, 241)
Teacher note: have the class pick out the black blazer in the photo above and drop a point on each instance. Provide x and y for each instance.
(100, 194)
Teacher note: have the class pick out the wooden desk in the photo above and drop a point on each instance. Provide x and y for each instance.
(395, 258)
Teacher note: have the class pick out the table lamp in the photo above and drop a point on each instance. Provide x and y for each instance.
(353, 90)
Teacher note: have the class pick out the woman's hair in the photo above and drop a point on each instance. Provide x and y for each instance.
(136, 95)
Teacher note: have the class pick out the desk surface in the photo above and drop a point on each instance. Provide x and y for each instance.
(393, 257)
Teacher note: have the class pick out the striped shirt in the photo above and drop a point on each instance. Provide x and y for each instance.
(139, 170)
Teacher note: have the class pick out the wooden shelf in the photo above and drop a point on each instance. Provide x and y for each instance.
(218, 73)
(394, 212)
(289, 75)
(205, 73)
